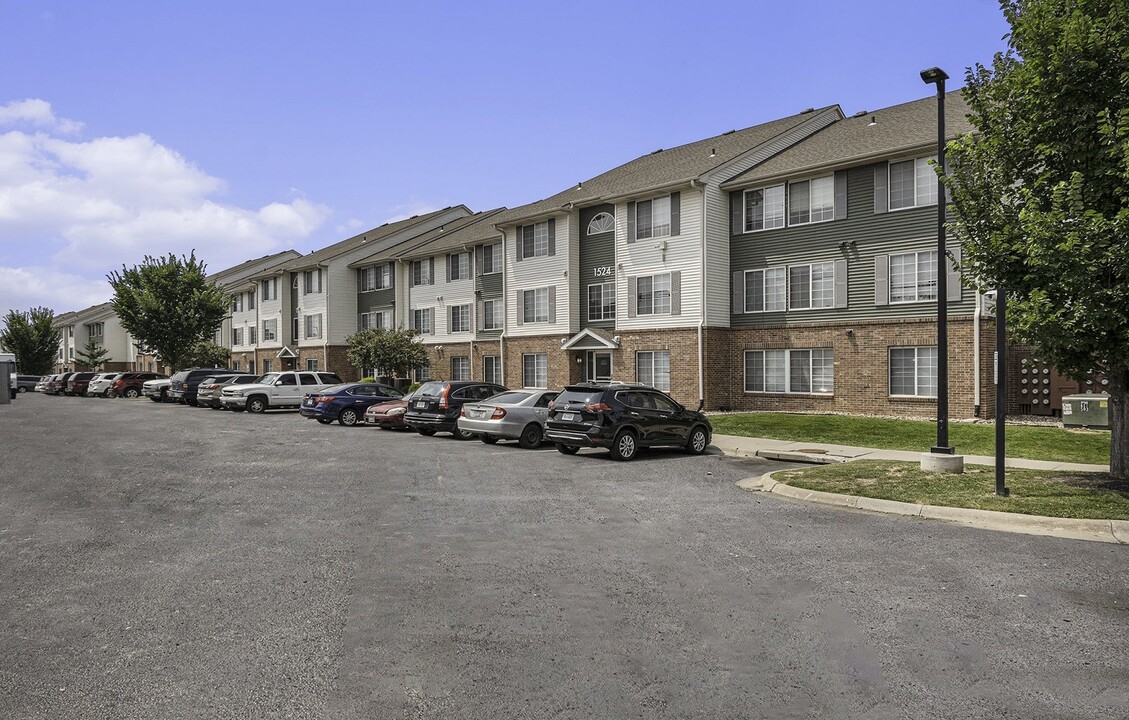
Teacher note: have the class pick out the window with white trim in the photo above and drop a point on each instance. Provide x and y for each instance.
(237, 302)
(913, 183)
(421, 320)
(313, 325)
(811, 201)
(311, 280)
(270, 330)
(236, 336)
(458, 266)
(250, 299)
(535, 370)
(268, 365)
(268, 289)
(492, 317)
(535, 305)
(460, 368)
(766, 290)
(652, 367)
(373, 319)
(764, 208)
(790, 371)
(312, 364)
(601, 301)
(535, 239)
(652, 218)
(652, 293)
(252, 335)
(492, 259)
(460, 318)
(97, 329)
(913, 277)
(419, 272)
(601, 223)
(913, 371)
(491, 369)
(366, 279)
(423, 374)
(811, 286)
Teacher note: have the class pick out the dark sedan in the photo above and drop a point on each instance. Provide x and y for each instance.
(346, 403)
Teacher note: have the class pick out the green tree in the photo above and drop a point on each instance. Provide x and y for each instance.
(168, 305)
(396, 351)
(92, 355)
(207, 353)
(1042, 189)
(33, 338)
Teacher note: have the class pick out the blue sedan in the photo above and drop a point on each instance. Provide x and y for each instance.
(346, 403)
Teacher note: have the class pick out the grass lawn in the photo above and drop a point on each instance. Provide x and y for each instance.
(1033, 492)
(1022, 441)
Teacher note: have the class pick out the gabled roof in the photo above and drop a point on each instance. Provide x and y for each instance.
(467, 231)
(94, 312)
(233, 273)
(591, 339)
(663, 168)
(372, 237)
(896, 130)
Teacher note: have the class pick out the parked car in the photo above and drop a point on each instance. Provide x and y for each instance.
(76, 383)
(276, 390)
(41, 385)
(56, 384)
(156, 390)
(623, 417)
(389, 415)
(208, 391)
(129, 384)
(26, 383)
(183, 385)
(435, 406)
(99, 385)
(346, 403)
(514, 415)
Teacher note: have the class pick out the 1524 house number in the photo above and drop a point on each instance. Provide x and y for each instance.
(605, 271)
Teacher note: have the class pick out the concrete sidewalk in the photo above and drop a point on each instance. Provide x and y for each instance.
(1110, 531)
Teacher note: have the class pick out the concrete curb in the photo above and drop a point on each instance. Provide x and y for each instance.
(1108, 531)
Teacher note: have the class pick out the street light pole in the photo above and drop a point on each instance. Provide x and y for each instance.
(937, 76)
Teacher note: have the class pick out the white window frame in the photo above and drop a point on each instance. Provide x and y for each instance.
(774, 279)
(269, 289)
(820, 279)
(779, 213)
(819, 205)
(419, 273)
(924, 183)
(311, 282)
(312, 325)
(600, 223)
(785, 365)
(532, 302)
(462, 371)
(652, 218)
(270, 330)
(460, 319)
(535, 242)
(538, 365)
(493, 314)
(607, 296)
(236, 337)
(897, 268)
(367, 280)
(311, 365)
(659, 291)
(458, 266)
(924, 360)
(422, 321)
(492, 369)
(652, 367)
(491, 259)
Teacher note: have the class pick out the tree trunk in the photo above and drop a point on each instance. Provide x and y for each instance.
(1118, 424)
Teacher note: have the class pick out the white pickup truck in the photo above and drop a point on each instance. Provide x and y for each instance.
(276, 390)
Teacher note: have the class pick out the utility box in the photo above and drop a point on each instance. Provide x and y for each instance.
(1090, 411)
(7, 384)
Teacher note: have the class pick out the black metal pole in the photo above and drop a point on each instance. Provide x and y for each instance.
(1001, 391)
(938, 76)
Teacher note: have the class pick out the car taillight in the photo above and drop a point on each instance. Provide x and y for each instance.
(498, 414)
(598, 407)
(323, 398)
(443, 404)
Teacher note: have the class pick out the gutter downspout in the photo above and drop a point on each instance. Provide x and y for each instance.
(976, 317)
(702, 301)
(506, 316)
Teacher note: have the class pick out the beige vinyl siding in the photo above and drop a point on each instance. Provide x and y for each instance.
(717, 275)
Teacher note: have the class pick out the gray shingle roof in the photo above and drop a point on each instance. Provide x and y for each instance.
(267, 261)
(853, 141)
(662, 168)
(468, 231)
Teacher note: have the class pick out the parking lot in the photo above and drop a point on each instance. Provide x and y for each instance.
(162, 561)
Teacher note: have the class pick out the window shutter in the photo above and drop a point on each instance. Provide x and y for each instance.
(451, 319)
(519, 304)
(676, 292)
(552, 303)
(632, 296)
(841, 195)
(738, 292)
(675, 213)
(630, 222)
(477, 260)
(518, 238)
(881, 280)
(953, 288)
(552, 236)
(840, 283)
(736, 212)
(881, 192)
(480, 315)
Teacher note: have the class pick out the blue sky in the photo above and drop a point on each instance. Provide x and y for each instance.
(240, 129)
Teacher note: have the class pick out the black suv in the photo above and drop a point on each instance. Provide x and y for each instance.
(436, 405)
(183, 385)
(623, 417)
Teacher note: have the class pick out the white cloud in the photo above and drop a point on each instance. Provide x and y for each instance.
(72, 210)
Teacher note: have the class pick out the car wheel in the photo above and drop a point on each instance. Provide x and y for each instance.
(257, 405)
(625, 445)
(21, 389)
(699, 438)
(530, 437)
(164, 396)
(460, 434)
(348, 417)
(567, 449)
(488, 439)
(131, 393)
(324, 421)
(426, 432)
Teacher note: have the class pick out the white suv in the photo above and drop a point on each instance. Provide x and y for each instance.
(276, 390)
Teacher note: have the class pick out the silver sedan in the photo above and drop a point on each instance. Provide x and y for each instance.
(511, 415)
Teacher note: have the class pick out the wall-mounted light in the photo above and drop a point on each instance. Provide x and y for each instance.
(850, 332)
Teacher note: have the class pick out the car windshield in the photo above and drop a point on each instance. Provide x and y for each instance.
(267, 379)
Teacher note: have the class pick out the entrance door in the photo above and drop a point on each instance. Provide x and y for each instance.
(598, 365)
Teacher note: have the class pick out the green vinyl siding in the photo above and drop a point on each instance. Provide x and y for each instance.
(873, 235)
(596, 251)
(375, 300)
(490, 286)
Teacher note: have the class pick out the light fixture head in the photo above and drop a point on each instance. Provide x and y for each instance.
(934, 75)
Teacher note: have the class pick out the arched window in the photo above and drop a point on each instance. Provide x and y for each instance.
(602, 223)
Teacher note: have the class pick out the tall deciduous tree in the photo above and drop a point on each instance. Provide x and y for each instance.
(397, 350)
(1042, 189)
(207, 353)
(33, 338)
(91, 355)
(168, 305)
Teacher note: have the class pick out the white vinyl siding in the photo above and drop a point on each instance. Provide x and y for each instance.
(913, 371)
(790, 371)
(913, 183)
(652, 367)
